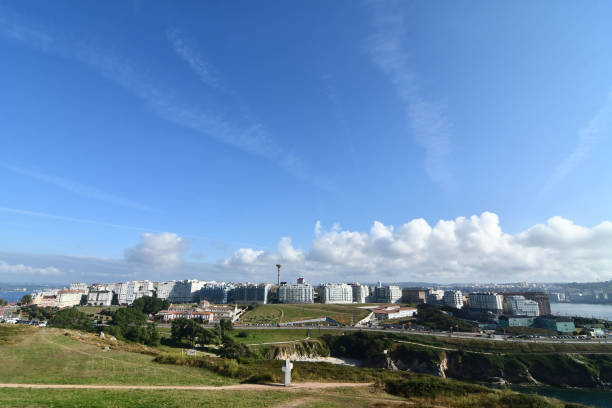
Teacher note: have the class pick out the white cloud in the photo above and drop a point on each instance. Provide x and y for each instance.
(588, 137)
(28, 213)
(163, 250)
(77, 188)
(287, 252)
(21, 269)
(248, 257)
(245, 256)
(192, 57)
(431, 129)
(241, 133)
(460, 250)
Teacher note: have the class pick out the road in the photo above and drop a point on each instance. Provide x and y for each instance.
(472, 336)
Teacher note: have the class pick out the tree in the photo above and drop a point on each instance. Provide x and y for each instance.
(3, 302)
(230, 348)
(190, 330)
(26, 300)
(150, 305)
(71, 319)
(131, 324)
(180, 329)
(223, 326)
(38, 313)
(128, 316)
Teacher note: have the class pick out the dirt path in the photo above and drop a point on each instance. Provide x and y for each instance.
(235, 387)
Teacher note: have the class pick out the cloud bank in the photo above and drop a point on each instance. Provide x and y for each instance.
(28, 271)
(465, 249)
(460, 250)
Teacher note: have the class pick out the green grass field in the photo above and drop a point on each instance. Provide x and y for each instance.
(274, 314)
(32, 355)
(255, 336)
(140, 398)
(47, 356)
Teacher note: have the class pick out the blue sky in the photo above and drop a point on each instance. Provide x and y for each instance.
(230, 125)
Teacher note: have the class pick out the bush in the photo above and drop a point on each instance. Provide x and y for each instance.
(524, 401)
(433, 317)
(230, 348)
(260, 378)
(418, 386)
(365, 346)
(71, 319)
(242, 334)
(39, 313)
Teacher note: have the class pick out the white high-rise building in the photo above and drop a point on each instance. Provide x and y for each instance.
(79, 286)
(361, 293)
(434, 296)
(125, 288)
(99, 297)
(518, 305)
(485, 302)
(247, 293)
(388, 294)
(164, 289)
(186, 291)
(453, 298)
(336, 293)
(295, 293)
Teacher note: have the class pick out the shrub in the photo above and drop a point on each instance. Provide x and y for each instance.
(260, 378)
(431, 386)
(71, 319)
(524, 401)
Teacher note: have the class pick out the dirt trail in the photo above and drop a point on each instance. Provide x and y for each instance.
(235, 387)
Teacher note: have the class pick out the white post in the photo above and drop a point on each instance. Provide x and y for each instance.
(287, 370)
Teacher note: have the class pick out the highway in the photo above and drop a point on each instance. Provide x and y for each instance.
(462, 335)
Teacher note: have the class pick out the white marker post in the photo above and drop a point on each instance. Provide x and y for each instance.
(287, 370)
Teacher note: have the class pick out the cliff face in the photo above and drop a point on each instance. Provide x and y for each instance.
(295, 351)
(425, 366)
(574, 370)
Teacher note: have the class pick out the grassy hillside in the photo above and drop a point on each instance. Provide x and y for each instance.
(333, 398)
(47, 356)
(440, 394)
(54, 356)
(274, 314)
(252, 336)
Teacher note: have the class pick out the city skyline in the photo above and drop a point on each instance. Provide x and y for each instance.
(348, 141)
